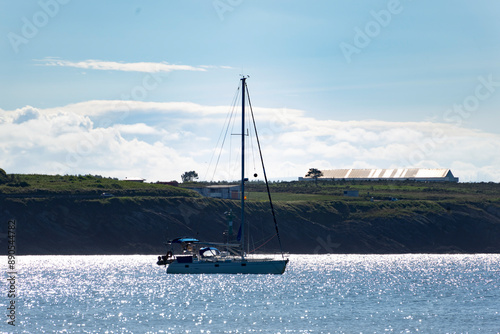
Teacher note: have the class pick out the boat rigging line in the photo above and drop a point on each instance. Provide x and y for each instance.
(264, 171)
(227, 121)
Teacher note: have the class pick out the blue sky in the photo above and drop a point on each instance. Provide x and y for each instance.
(141, 89)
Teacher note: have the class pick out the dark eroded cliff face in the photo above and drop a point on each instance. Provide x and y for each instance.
(142, 225)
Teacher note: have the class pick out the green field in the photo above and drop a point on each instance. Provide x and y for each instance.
(305, 191)
(288, 197)
(24, 184)
(376, 191)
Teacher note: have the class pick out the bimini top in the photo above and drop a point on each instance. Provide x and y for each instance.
(209, 252)
(184, 240)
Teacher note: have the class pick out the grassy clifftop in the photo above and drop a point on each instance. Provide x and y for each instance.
(34, 184)
(380, 190)
(29, 184)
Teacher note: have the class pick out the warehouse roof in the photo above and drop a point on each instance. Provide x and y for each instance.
(390, 174)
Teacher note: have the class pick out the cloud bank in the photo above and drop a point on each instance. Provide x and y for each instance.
(146, 67)
(160, 141)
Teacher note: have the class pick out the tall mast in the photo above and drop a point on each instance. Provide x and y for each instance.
(243, 87)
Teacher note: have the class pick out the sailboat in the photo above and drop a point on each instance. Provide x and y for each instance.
(198, 257)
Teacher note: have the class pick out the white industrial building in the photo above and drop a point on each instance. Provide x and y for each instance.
(396, 174)
(227, 191)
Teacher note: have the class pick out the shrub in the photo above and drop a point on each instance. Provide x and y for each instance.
(3, 176)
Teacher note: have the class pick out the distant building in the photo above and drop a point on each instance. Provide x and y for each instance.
(170, 183)
(396, 174)
(351, 193)
(135, 180)
(227, 191)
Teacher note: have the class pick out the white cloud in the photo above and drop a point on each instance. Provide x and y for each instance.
(25, 114)
(68, 143)
(145, 67)
(138, 128)
(86, 138)
(127, 107)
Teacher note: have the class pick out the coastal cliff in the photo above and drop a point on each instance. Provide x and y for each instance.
(140, 225)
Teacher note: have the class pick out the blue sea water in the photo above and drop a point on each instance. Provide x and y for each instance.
(317, 294)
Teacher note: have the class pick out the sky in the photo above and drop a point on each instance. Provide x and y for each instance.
(141, 89)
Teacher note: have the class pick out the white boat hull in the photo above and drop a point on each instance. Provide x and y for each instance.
(229, 267)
